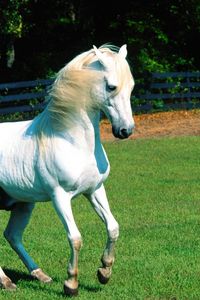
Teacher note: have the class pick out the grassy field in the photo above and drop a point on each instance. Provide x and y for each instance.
(154, 192)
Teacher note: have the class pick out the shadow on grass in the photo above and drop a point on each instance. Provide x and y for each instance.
(89, 288)
(16, 276)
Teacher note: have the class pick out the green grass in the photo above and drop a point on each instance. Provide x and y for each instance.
(154, 193)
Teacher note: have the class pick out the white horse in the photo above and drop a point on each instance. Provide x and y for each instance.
(59, 155)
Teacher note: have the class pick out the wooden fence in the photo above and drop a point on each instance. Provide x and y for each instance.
(24, 96)
(173, 90)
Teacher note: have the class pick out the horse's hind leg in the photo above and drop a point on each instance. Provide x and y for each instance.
(18, 221)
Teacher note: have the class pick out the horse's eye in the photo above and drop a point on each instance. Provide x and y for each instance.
(111, 88)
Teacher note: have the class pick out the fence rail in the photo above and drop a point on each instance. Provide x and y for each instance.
(170, 90)
(24, 96)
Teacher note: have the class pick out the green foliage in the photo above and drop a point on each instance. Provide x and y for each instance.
(151, 64)
(11, 22)
(161, 35)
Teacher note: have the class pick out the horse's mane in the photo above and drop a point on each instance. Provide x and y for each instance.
(71, 91)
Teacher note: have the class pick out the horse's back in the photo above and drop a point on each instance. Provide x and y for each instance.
(10, 129)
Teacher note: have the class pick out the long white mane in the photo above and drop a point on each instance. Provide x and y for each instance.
(71, 90)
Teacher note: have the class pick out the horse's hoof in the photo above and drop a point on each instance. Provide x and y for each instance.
(70, 292)
(7, 284)
(103, 275)
(41, 276)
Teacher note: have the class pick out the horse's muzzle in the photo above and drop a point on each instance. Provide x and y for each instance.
(122, 133)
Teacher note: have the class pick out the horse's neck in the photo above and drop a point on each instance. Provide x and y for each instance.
(85, 132)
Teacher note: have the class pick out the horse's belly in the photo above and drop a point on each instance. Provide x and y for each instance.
(10, 196)
(21, 185)
(18, 160)
(25, 193)
(19, 179)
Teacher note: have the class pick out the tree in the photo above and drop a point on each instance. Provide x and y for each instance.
(44, 35)
(11, 28)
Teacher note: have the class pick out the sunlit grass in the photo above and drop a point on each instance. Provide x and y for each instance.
(154, 193)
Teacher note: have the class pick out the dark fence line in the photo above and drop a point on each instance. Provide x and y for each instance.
(161, 91)
(170, 90)
(24, 96)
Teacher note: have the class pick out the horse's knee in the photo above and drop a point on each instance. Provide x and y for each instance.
(77, 244)
(11, 239)
(7, 236)
(114, 233)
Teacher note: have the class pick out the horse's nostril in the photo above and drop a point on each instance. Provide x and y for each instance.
(124, 133)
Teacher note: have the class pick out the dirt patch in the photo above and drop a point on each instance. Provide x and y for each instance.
(176, 123)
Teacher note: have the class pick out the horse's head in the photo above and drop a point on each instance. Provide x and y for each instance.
(115, 89)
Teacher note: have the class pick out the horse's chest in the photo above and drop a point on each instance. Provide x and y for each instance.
(82, 172)
(91, 178)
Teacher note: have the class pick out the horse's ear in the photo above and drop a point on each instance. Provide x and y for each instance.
(123, 51)
(100, 56)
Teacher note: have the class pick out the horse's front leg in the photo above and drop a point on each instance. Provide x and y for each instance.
(62, 204)
(101, 206)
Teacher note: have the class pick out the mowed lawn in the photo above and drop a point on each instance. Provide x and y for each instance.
(154, 193)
